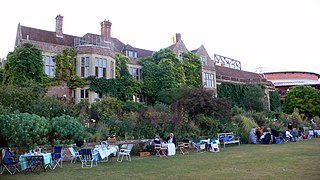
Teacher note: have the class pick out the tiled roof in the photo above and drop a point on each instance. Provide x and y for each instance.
(143, 52)
(39, 35)
(225, 73)
(172, 46)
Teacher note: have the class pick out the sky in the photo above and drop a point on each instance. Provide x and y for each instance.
(276, 34)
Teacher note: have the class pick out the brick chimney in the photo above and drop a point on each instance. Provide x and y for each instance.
(59, 21)
(176, 38)
(106, 30)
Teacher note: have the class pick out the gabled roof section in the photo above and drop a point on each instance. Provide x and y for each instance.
(179, 46)
(39, 35)
(202, 51)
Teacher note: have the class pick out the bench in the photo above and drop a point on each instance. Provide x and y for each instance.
(228, 138)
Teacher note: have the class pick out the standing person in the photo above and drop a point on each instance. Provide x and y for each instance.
(253, 138)
(290, 125)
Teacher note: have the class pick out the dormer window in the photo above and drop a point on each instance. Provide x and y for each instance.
(131, 54)
(203, 59)
(180, 55)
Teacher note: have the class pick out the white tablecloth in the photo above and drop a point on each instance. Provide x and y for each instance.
(105, 152)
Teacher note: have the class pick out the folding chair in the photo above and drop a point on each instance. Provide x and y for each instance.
(125, 152)
(196, 146)
(8, 163)
(57, 157)
(1, 158)
(184, 148)
(160, 151)
(74, 155)
(88, 158)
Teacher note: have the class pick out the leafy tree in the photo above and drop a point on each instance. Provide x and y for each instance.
(20, 97)
(23, 64)
(161, 71)
(49, 107)
(24, 130)
(192, 69)
(107, 107)
(65, 130)
(305, 98)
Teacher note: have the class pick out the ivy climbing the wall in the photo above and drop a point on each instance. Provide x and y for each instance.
(247, 96)
(65, 70)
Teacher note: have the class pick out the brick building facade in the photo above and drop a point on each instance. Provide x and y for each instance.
(95, 55)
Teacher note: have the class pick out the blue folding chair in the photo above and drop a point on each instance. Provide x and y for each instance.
(88, 158)
(57, 157)
(8, 163)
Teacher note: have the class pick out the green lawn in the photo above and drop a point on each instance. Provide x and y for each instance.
(299, 160)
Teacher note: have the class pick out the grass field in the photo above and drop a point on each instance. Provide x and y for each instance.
(294, 160)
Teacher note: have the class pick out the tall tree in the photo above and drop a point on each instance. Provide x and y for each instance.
(305, 98)
(192, 69)
(24, 63)
(163, 70)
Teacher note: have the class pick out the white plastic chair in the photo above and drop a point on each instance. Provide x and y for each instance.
(125, 152)
(74, 155)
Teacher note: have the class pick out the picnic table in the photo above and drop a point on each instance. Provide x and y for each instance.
(30, 162)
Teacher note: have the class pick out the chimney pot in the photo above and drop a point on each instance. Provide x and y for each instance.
(59, 22)
(176, 38)
(106, 29)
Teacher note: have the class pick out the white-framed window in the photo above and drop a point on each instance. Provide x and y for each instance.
(85, 70)
(131, 54)
(203, 59)
(101, 68)
(180, 55)
(49, 65)
(136, 73)
(84, 93)
(208, 80)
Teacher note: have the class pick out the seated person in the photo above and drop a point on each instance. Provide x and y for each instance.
(157, 140)
(275, 135)
(288, 135)
(156, 143)
(267, 137)
(171, 139)
(172, 144)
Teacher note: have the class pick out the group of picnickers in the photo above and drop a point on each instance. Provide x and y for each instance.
(266, 135)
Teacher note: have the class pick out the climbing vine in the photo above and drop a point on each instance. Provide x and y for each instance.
(247, 96)
(65, 70)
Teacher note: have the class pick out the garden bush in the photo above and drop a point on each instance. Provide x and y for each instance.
(24, 130)
(65, 130)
